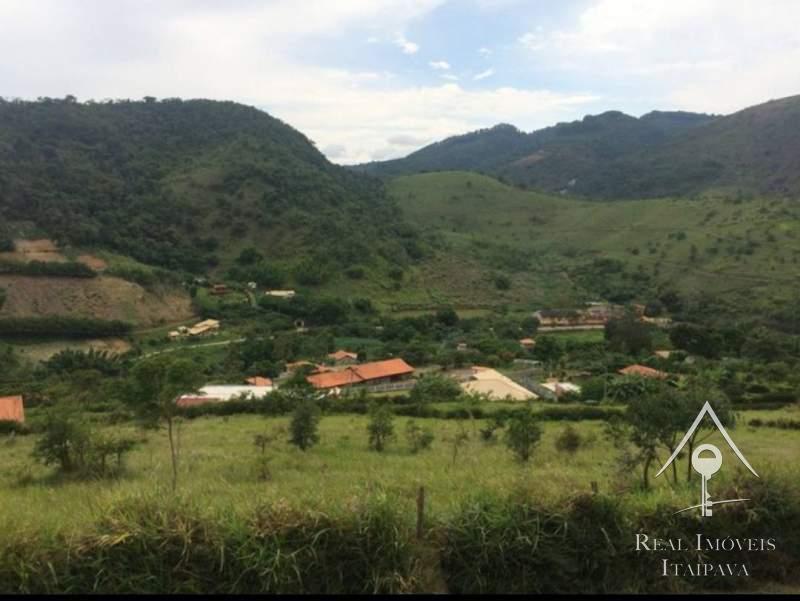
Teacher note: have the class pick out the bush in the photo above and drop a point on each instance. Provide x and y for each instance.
(304, 427)
(569, 441)
(419, 439)
(523, 434)
(71, 327)
(68, 269)
(380, 426)
(71, 443)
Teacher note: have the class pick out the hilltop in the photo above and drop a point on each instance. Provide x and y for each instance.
(614, 156)
(186, 185)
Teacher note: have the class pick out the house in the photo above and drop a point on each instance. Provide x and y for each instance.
(342, 357)
(663, 354)
(219, 289)
(462, 347)
(12, 409)
(376, 372)
(496, 386)
(222, 394)
(204, 327)
(554, 390)
(280, 293)
(527, 343)
(643, 371)
(259, 381)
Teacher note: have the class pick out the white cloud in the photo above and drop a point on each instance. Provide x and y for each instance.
(440, 65)
(484, 74)
(404, 45)
(484, 51)
(449, 76)
(708, 55)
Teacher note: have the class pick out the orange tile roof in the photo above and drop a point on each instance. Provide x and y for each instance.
(259, 381)
(340, 355)
(12, 409)
(644, 371)
(361, 373)
(383, 369)
(194, 401)
(334, 379)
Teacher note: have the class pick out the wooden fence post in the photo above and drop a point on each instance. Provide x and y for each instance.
(420, 511)
(594, 488)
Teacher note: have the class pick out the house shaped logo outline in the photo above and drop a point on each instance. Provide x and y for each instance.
(708, 409)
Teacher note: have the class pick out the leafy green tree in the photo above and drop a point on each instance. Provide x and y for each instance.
(419, 438)
(304, 426)
(380, 426)
(249, 256)
(434, 388)
(628, 335)
(153, 389)
(523, 433)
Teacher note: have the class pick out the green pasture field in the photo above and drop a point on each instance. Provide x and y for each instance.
(220, 469)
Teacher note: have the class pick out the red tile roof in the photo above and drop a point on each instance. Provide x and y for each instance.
(259, 381)
(193, 401)
(644, 371)
(334, 379)
(12, 409)
(383, 369)
(361, 373)
(341, 355)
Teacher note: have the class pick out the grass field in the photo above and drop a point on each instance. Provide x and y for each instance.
(219, 469)
(744, 251)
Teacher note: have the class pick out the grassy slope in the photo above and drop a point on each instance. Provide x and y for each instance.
(477, 215)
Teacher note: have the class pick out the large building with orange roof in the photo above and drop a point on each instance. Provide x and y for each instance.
(376, 372)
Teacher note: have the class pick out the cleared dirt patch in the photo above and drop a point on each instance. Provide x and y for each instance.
(42, 351)
(102, 297)
(93, 262)
(34, 250)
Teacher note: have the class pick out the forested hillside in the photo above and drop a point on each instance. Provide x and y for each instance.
(613, 156)
(187, 184)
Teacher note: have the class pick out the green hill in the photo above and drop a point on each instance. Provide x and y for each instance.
(188, 185)
(612, 155)
(742, 255)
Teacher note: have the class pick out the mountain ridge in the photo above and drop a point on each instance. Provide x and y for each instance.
(614, 155)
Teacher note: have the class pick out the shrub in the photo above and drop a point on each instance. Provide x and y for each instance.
(523, 434)
(380, 426)
(304, 427)
(569, 441)
(419, 439)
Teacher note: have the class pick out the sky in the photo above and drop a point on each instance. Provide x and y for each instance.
(377, 79)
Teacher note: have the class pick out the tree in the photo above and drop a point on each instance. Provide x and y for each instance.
(153, 388)
(380, 426)
(304, 427)
(656, 419)
(696, 339)
(432, 388)
(697, 392)
(249, 256)
(523, 433)
(447, 317)
(569, 441)
(418, 438)
(628, 335)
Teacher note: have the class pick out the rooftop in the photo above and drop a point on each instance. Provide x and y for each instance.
(12, 409)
